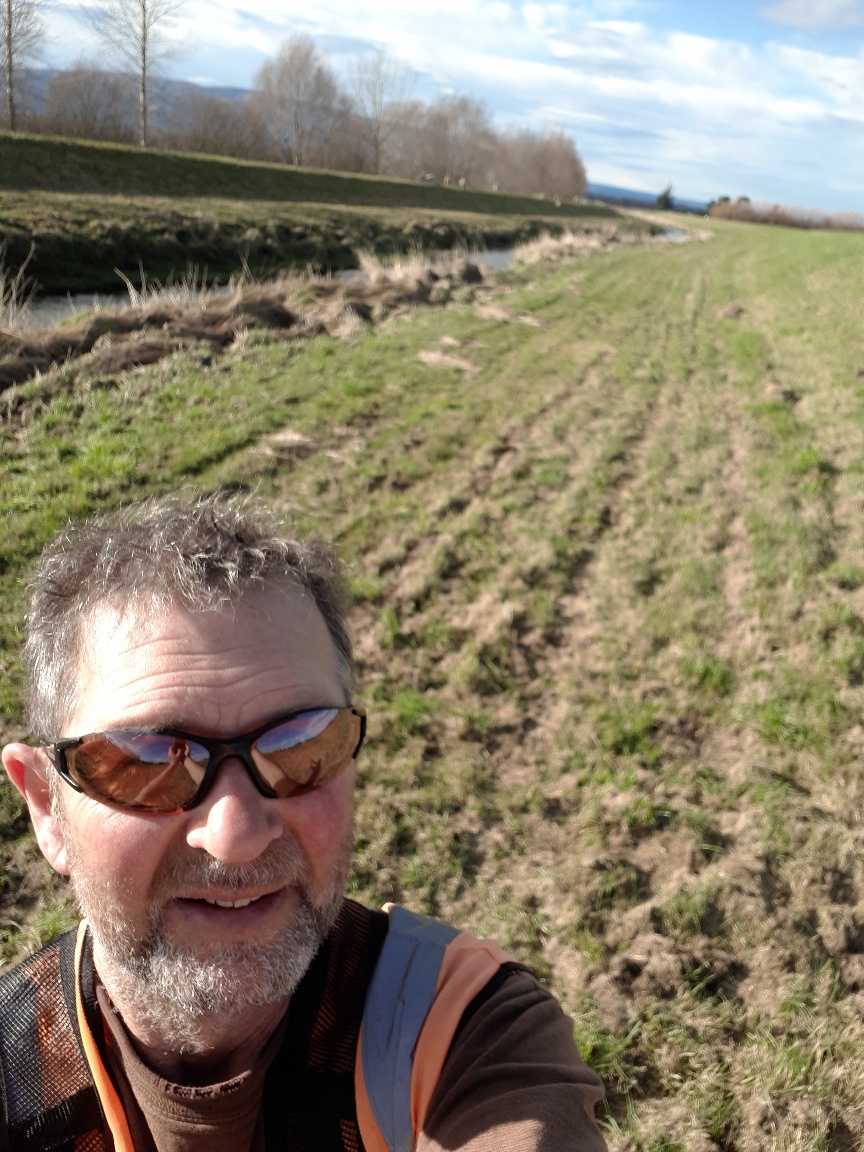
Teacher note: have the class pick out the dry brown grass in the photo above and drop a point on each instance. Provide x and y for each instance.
(162, 320)
(576, 244)
(16, 292)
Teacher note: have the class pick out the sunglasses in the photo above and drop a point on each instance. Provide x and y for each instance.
(166, 770)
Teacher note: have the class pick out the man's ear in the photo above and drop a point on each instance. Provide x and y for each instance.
(28, 770)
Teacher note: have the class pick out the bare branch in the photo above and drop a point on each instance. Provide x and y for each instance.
(300, 98)
(380, 86)
(85, 101)
(201, 122)
(451, 140)
(22, 35)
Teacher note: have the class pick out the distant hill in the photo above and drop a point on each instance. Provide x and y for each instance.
(163, 92)
(629, 198)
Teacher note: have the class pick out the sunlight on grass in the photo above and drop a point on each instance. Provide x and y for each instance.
(609, 629)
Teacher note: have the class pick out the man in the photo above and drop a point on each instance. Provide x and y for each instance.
(190, 687)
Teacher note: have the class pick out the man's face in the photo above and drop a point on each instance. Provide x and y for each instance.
(148, 883)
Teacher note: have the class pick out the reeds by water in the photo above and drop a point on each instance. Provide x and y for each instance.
(16, 291)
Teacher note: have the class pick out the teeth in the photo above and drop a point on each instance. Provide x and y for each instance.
(229, 903)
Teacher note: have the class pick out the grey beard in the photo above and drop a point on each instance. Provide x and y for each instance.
(176, 992)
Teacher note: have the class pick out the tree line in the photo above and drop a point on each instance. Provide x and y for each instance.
(784, 215)
(298, 110)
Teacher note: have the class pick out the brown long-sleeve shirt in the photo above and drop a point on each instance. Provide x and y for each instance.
(512, 1082)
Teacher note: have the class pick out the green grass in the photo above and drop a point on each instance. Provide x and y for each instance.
(609, 612)
(54, 164)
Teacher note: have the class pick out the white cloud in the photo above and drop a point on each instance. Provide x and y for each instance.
(713, 115)
(839, 79)
(815, 15)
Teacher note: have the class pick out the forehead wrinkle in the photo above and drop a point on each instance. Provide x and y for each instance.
(114, 640)
(204, 671)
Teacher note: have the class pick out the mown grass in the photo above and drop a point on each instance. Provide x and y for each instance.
(610, 628)
(56, 164)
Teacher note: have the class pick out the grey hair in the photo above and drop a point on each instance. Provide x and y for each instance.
(198, 552)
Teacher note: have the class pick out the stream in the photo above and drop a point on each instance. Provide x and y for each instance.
(49, 311)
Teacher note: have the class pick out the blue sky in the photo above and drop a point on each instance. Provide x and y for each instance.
(764, 99)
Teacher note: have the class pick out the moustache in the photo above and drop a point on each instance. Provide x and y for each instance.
(282, 862)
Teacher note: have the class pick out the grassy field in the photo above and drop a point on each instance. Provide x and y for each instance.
(91, 208)
(55, 164)
(604, 527)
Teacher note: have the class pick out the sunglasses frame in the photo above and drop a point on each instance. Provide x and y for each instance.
(219, 750)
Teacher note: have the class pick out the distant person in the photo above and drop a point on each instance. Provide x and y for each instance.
(190, 686)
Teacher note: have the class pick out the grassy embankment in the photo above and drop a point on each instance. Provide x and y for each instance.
(90, 208)
(610, 619)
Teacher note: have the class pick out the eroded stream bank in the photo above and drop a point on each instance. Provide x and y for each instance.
(79, 242)
(117, 337)
(47, 312)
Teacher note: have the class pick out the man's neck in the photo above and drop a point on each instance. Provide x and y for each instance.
(196, 1051)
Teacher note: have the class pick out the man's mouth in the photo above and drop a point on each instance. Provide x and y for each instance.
(229, 902)
(232, 903)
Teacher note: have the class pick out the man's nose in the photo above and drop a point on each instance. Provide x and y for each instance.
(234, 823)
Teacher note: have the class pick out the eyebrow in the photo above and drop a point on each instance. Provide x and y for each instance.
(180, 724)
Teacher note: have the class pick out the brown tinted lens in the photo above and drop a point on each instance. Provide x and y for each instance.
(308, 750)
(140, 770)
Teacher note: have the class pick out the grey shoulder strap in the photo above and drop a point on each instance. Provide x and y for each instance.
(400, 995)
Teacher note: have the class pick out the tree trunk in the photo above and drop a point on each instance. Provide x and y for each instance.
(142, 77)
(10, 86)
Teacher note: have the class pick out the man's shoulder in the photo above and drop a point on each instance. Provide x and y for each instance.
(48, 1093)
(410, 951)
(428, 979)
(33, 995)
(428, 960)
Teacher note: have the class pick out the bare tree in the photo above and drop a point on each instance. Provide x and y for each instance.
(407, 151)
(341, 146)
(380, 86)
(458, 138)
(531, 163)
(22, 36)
(87, 102)
(300, 98)
(199, 121)
(136, 29)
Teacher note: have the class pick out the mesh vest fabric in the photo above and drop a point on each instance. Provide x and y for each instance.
(50, 1104)
(309, 1098)
(309, 1103)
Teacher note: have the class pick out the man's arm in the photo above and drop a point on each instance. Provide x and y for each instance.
(513, 1080)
